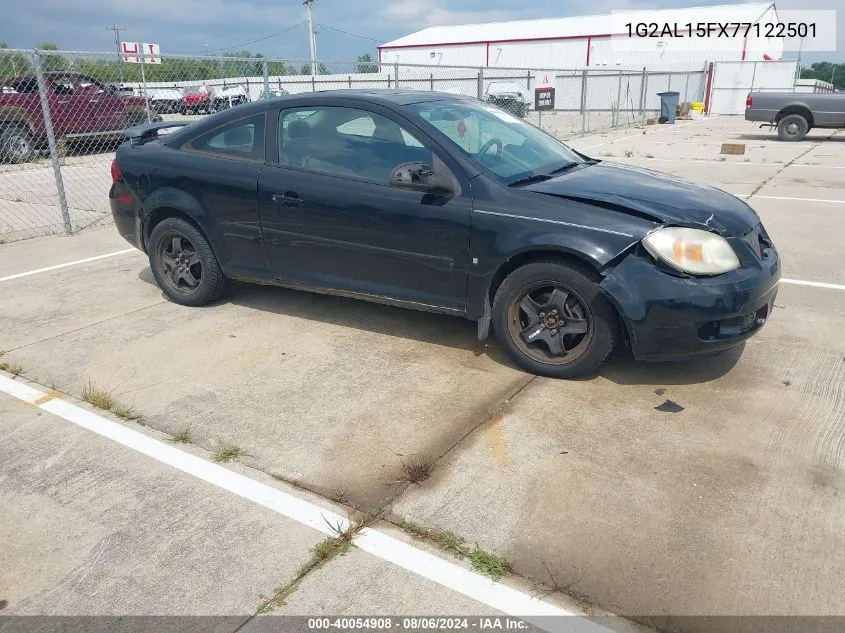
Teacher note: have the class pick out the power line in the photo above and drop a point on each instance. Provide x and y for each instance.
(363, 37)
(260, 39)
(117, 30)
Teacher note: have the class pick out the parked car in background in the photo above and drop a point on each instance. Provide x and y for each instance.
(80, 108)
(272, 94)
(165, 100)
(447, 204)
(208, 99)
(796, 113)
(508, 96)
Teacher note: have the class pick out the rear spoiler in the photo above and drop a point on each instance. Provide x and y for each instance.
(140, 134)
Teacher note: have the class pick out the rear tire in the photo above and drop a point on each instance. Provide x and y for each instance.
(570, 314)
(16, 144)
(793, 127)
(183, 264)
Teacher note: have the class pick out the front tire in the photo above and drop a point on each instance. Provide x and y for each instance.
(793, 127)
(16, 144)
(183, 264)
(552, 320)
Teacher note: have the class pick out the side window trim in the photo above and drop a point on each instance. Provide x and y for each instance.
(256, 156)
(274, 142)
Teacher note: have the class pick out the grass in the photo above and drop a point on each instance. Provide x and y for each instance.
(416, 468)
(127, 413)
(332, 546)
(12, 368)
(488, 564)
(227, 452)
(649, 155)
(629, 153)
(722, 159)
(97, 397)
(181, 437)
(280, 596)
(608, 154)
(482, 561)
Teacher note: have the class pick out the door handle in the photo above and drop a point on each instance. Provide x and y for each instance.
(289, 199)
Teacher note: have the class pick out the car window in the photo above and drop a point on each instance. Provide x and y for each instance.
(243, 139)
(346, 142)
(507, 145)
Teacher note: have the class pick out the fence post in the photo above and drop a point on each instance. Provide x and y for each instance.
(686, 88)
(313, 83)
(265, 73)
(615, 118)
(480, 87)
(584, 101)
(642, 93)
(396, 75)
(669, 83)
(51, 141)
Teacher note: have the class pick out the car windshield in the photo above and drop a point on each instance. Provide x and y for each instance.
(508, 146)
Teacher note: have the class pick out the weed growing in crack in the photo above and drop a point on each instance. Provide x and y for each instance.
(182, 436)
(482, 561)
(226, 453)
(126, 413)
(12, 368)
(416, 468)
(95, 396)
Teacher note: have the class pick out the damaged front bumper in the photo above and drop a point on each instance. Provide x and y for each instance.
(670, 316)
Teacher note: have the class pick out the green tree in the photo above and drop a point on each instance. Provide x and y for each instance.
(366, 65)
(305, 70)
(53, 62)
(826, 71)
(13, 64)
(322, 69)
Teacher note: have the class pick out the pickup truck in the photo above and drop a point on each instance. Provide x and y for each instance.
(796, 113)
(80, 107)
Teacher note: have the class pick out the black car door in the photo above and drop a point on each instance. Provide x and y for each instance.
(329, 217)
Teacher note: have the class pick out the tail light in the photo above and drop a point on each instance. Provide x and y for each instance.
(748, 101)
(115, 172)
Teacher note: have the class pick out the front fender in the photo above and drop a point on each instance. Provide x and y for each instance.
(499, 240)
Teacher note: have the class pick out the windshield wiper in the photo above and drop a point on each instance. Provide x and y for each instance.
(564, 168)
(529, 179)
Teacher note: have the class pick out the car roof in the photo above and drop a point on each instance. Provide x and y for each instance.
(378, 95)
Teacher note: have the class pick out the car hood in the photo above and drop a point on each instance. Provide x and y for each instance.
(652, 195)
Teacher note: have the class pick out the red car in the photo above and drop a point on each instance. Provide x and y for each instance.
(80, 107)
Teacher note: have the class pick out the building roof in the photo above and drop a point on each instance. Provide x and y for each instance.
(576, 26)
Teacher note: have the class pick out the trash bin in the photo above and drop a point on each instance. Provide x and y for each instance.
(668, 105)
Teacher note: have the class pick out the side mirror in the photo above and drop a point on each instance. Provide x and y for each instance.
(421, 177)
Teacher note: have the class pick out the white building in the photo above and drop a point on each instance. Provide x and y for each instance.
(595, 41)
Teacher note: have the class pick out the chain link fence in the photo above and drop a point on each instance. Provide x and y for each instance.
(62, 113)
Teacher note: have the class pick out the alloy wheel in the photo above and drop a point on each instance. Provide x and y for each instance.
(180, 263)
(550, 323)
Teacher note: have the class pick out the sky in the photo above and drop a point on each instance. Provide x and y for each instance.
(345, 29)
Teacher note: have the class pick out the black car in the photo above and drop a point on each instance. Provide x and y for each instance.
(449, 204)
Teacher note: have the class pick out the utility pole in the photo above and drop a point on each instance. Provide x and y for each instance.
(312, 42)
(117, 31)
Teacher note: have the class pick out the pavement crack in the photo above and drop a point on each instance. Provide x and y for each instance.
(85, 327)
(779, 171)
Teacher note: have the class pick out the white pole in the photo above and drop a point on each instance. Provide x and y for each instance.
(312, 42)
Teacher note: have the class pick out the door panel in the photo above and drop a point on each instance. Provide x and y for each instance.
(357, 236)
(70, 110)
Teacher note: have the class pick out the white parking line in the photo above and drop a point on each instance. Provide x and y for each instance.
(814, 284)
(800, 199)
(65, 265)
(468, 583)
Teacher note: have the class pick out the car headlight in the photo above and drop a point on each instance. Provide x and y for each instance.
(692, 250)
